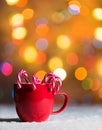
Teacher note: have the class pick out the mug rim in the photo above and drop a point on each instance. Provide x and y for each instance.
(23, 83)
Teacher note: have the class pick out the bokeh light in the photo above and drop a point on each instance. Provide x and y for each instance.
(54, 63)
(42, 29)
(61, 37)
(12, 2)
(97, 44)
(74, 7)
(41, 21)
(98, 33)
(30, 54)
(40, 74)
(63, 41)
(41, 58)
(22, 3)
(41, 44)
(28, 13)
(97, 13)
(61, 73)
(81, 73)
(17, 20)
(72, 58)
(19, 33)
(96, 84)
(57, 17)
(6, 68)
(87, 83)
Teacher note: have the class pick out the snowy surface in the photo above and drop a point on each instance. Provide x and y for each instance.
(72, 118)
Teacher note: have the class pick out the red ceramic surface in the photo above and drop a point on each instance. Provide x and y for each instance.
(35, 105)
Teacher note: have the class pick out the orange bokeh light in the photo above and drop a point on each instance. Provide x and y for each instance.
(80, 73)
(41, 58)
(42, 29)
(22, 3)
(72, 59)
(40, 74)
(95, 84)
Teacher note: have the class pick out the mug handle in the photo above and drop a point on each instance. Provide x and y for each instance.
(64, 104)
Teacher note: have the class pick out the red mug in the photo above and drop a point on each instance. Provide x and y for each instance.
(36, 105)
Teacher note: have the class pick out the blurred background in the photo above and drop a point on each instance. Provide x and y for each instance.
(59, 36)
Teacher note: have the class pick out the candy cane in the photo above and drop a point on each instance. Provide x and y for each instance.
(35, 81)
(22, 73)
(53, 79)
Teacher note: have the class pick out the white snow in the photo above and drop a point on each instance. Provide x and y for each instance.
(72, 118)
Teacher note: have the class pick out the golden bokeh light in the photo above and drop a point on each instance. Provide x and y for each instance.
(30, 54)
(54, 63)
(80, 73)
(28, 13)
(63, 41)
(19, 33)
(97, 13)
(12, 2)
(61, 73)
(98, 33)
(40, 74)
(17, 20)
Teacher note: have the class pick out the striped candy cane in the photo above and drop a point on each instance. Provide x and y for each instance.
(20, 74)
(35, 81)
(54, 80)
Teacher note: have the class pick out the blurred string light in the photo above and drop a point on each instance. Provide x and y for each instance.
(61, 16)
(30, 54)
(40, 74)
(97, 13)
(96, 84)
(41, 44)
(12, 2)
(22, 3)
(80, 73)
(28, 13)
(63, 41)
(87, 83)
(54, 63)
(41, 58)
(42, 29)
(61, 73)
(6, 68)
(41, 21)
(72, 58)
(19, 33)
(16, 20)
(74, 7)
(98, 34)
